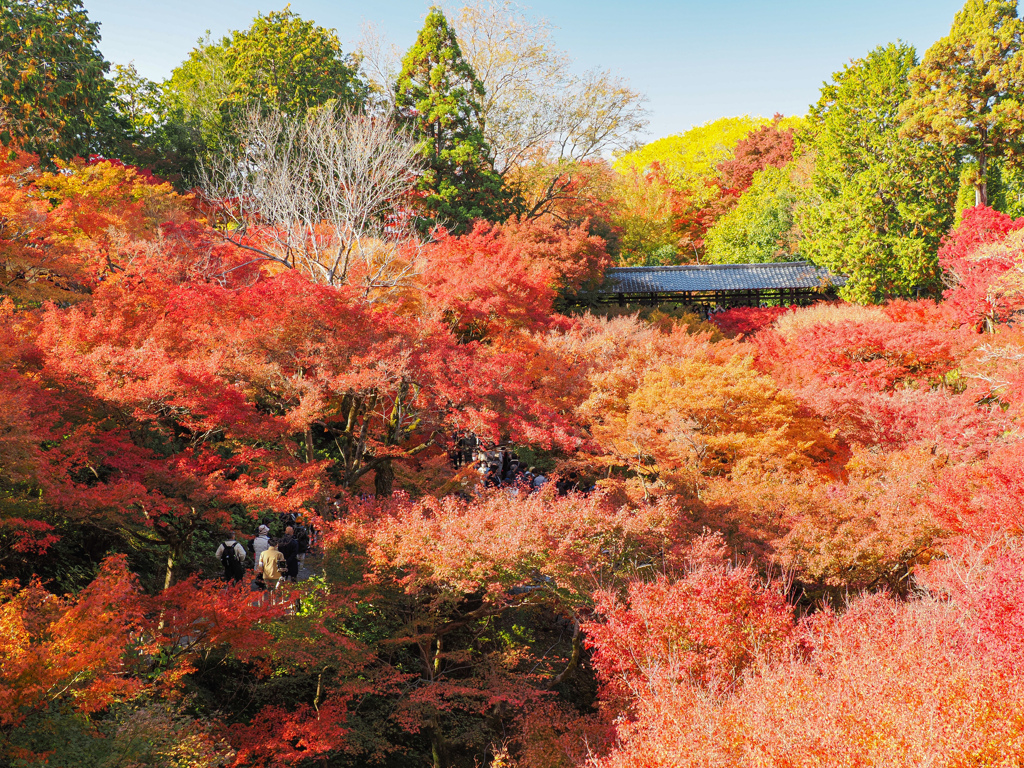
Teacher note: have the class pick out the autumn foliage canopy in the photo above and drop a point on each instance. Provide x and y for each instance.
(791, 535)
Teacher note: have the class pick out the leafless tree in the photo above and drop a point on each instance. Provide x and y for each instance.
(326, 194)
(541, 118)
(535, 104)
(380, 63)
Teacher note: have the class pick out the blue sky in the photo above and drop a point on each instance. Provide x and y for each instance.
(696, 61)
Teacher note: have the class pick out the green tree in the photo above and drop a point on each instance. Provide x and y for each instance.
(199, 85)
(136, 100)
(439, 95)
(52, 85)
(132, 128)
(1009, 193)
(761, 226)
(292, 65)
(969, 90)
(1005, 187)
(881, 202)
(282, 62)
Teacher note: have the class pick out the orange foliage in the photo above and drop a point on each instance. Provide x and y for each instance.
(720, 417)
(64, 232)
(933, 681)
(156, 389)
(672, 407)
(76, 649)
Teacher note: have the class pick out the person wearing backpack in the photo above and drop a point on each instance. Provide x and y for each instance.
(272, 565)
(232, 557)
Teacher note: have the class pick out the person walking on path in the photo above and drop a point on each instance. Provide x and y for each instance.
(260, 545)
(290, 549)
(538, 479)
(272, 565)
(232, 556)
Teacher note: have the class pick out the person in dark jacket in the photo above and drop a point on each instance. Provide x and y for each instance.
(289, 547)
(302, 539)
(467, 448)
(492, 479)
(570, 484)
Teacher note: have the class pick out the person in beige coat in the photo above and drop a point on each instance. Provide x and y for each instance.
(272, 565)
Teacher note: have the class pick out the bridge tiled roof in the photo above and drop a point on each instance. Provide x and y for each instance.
(718, 277)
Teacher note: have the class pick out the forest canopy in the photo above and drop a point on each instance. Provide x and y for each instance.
(317, 448)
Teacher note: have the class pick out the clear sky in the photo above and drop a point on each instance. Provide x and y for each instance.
(696, 61)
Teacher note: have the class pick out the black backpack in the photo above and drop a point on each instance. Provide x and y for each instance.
(232, 567)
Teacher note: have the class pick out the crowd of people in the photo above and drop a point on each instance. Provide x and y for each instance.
(500, 467)
(275, 559)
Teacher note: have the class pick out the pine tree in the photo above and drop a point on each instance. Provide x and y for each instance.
(969, 90)
(439, 96)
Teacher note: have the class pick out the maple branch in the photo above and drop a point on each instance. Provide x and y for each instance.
(378, 461)
(574, 657)
(73, 680)
(483, 612)
(266, 255)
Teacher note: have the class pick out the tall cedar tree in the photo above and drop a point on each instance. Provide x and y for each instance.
(883, 201)
(52, 84)
(439, 96)
(968, 91)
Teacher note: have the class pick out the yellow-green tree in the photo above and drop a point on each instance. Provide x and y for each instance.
(881, 201)
(291, 65)
(282, 62)
(688, 159)
(761, 227)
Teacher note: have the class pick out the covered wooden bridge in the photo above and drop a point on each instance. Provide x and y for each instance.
(723, 285)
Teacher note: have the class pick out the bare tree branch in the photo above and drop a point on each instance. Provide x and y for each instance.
(535, 107)
(326, 195)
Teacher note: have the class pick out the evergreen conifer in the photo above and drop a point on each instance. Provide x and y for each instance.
(439, 95)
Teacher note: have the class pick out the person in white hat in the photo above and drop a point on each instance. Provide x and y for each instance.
(260, 544)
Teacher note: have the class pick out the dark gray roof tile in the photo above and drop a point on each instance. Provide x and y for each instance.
(718, 277)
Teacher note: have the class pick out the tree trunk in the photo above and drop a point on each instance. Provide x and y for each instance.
(438, 748)
(574, 657)
(981, 185)
(309, 444)
(168, 580)
(384, 479)
(169, 573)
